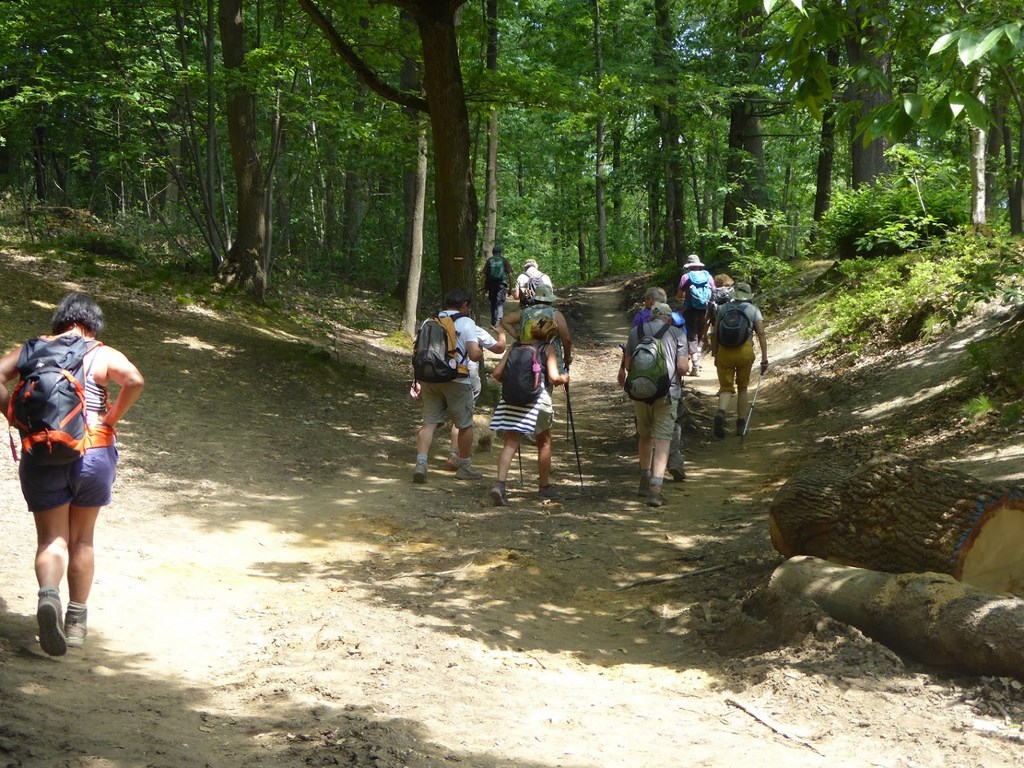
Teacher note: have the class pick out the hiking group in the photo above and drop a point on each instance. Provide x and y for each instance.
(663, 346)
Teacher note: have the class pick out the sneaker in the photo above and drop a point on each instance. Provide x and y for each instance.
(75, 630)
(741, 424)
(452, 462)
(499, 496)
(51, 633)
(678, 474)
(645, 485)
(654, 497)
(468, 472)
(547, 492)
(720, 424)
(419, 475)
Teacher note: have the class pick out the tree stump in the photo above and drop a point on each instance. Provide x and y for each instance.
(900, 515)
(929, 617)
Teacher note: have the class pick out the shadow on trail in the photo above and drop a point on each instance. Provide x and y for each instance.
(171, 724)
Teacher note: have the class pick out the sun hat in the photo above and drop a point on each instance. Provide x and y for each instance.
(529, 263)
(544, 295)
(693, 260)
(742, 292)
(661, 309)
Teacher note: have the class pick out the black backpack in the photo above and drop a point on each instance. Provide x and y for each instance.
(528, 290)
(48, 405)
(435, 356)
(525, 374)
(734, 327)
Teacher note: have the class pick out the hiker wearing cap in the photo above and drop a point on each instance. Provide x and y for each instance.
(695, 290)
(528, 282)
(519, 323)
(496, 273)
(655, 417)
(654, 295)
(736, 324)
(453, 397)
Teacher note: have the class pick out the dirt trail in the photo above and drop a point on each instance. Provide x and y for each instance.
(272, 590)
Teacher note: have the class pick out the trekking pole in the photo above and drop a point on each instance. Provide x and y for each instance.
(750, 412)
(575, 445)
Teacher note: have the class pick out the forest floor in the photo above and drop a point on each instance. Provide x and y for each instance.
(272, 589)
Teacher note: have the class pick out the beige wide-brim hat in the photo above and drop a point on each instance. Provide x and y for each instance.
(693, 260)
(529, 263)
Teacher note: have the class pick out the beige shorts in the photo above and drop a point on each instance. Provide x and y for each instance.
(453, 398)
(656, 420)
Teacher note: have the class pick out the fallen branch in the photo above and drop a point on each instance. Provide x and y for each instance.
(765, 719)
(424, 574)
(674, 577)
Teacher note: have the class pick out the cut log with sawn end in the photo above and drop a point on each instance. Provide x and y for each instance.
(929, 617)
(901, 515)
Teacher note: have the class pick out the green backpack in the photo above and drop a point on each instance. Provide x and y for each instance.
(648, 379)
(496, 269)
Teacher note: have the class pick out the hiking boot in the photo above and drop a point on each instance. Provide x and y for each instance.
(720, 424)
(678, 474)
(654, 497)
(499, 496)
(419, 475)
(547, 492)
(645, 485)
(75, 629)
(51, 633)
(741, 424)
(467, 472)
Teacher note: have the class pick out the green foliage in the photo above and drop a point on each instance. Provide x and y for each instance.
(1011, 415)
(978, 407)
(920, 200)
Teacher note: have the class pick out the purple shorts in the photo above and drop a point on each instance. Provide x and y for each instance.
(84, 483)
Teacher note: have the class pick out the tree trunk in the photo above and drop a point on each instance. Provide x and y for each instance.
(979, 138)
(243, 266)
(928, 617)
(602, 215)
(826, 151)
(900, 515)
(491, 193)
(414, 233)
(454, 196)
(674, 245)
(868, 160)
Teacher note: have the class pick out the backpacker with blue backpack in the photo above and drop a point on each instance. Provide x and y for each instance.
(699, 288)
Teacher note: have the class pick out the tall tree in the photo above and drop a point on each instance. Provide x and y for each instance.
(454, 195)
(244, 265)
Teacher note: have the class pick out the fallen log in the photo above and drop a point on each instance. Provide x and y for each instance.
(929, 617)
(901, 515)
